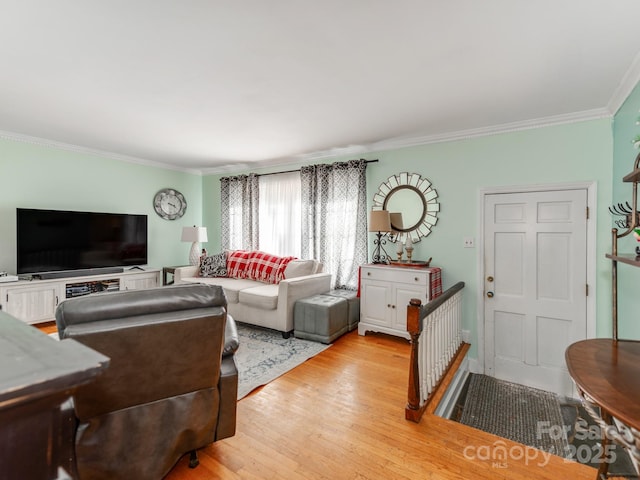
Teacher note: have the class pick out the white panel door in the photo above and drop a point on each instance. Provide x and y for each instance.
(535, 285)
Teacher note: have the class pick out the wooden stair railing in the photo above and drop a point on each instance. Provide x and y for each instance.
(436, 346)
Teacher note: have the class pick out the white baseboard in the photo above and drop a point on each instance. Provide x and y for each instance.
(448, 402)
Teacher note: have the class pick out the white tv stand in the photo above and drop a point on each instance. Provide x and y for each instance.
(35, 301)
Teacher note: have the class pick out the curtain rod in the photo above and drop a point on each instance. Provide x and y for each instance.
(297, 170)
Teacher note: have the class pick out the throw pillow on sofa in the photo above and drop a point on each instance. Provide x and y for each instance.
(283, 267)
(299, 268)
(213, 265)
(237, 262)
(267, 268)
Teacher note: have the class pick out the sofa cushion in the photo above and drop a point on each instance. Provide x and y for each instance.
(267, 268)
(231, 286)
(264, 297)
(299, 268)
(237, 261)
(213, 265)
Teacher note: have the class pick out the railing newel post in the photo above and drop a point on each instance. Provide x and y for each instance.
(414, 327)
(436, 341)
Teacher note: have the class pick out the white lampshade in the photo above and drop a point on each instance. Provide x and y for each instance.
(379, 221)
(195, 235)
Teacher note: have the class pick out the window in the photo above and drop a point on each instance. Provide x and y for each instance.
(279, 214)
(319, 213)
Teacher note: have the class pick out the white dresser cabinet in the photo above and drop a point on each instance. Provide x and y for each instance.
(35, 301)
(385, 292)
(139, 281)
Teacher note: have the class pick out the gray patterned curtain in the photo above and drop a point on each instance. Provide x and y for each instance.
(239, 212)
(334, 218)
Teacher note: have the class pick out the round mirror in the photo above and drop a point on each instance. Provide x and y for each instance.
(408, 201)
(413, 197)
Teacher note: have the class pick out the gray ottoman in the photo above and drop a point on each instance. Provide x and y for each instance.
(353, 304)
(321, 318)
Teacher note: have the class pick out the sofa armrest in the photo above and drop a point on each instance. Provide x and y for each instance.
(293, 289)
(184, 272)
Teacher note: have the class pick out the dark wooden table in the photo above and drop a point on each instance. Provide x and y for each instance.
(37, 376)
(607, 374)
(166, 271)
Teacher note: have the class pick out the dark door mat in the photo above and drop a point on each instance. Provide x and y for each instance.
(515, 412)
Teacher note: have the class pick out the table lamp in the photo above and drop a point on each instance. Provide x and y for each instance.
(195, 235)
(380, 222)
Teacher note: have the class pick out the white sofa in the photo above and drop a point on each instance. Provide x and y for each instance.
(264, 304)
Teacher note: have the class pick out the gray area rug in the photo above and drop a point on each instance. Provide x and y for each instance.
(525, 415)
(263, 355)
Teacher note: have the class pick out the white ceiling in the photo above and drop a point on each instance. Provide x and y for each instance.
(211, 85)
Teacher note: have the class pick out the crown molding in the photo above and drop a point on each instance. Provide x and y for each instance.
(403, 142)
(495, 129)
(42, 142)
(383, 145)
(626, 86)
(414, 141)
(232, 168)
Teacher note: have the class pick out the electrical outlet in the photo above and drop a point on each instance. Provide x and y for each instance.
(469, 242)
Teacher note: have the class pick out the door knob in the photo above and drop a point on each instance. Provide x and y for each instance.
(490, 294)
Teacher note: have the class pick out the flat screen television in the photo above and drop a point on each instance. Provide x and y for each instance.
(58, 241)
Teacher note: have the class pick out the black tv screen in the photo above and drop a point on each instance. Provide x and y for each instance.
(55, 240)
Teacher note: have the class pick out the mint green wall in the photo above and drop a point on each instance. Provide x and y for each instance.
(577, 152)
(43, 177)
(624, 154)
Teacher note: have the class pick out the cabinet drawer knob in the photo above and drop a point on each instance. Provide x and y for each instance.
(369, 273)
(388, 305)
(393, 306)
(417, 279)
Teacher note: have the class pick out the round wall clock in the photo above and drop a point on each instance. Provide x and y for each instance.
(169, 204)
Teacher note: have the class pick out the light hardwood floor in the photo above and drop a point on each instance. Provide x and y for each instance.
(340, 415)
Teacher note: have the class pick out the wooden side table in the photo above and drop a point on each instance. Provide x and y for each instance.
(166, 271)
(607, 374)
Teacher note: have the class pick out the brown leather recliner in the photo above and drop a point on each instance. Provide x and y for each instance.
(171, 386)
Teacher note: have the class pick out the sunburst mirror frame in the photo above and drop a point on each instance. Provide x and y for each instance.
(426, 204)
